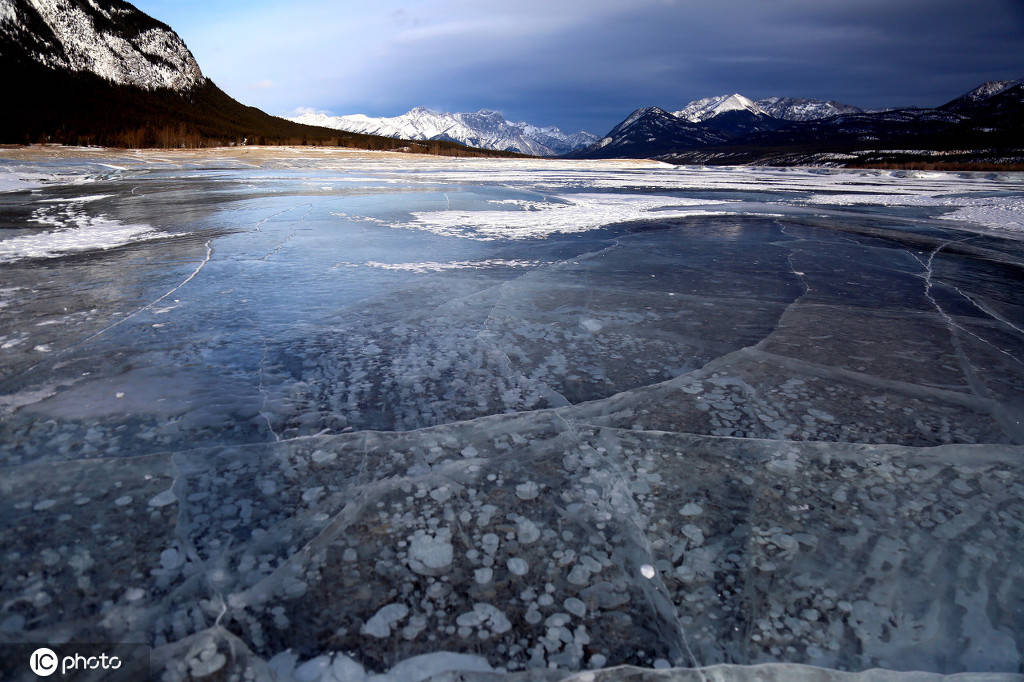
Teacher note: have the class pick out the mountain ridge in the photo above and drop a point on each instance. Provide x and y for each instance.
(981, 124)
(485, 129)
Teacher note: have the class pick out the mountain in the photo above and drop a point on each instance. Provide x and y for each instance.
(803, 109)
(785, 108)
(648, 131)
(979, 94)
(116, 42)
(703, 109)
(706, 121)
(981, 126)
(484, 129)
(102, 72)
(652, 130)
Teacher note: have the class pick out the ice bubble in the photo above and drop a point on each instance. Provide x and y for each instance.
(469, 452)
(208, 662)
(483, 575)
(123, 500)
(322, 456)
(380, 623)
(441, 494)
(527, 531)
(518, 566)
(527, 491)
(485, 615)
(431, 554)
(647, 571)
(490, 542)
(685, 573)
(344, 669)
(163, 499)
(313, 669)
(695, 534)
(579, 575)
(349, 555)
(171, 559)
(785, 542)
(48, 504)
(691, 509)
(311, 494)
(557, 620)
(575, 607)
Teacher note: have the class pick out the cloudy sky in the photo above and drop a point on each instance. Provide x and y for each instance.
(588, 63)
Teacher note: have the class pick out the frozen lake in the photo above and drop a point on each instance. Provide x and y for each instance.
(317, 412)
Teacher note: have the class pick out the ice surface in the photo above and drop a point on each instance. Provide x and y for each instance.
(524, 418)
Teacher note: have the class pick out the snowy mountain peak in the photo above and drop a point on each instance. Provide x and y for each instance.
(109, 38)
(786, 108)
(980, 94)
(804, 109)
(709, 107)
(988, 89)
(638, 115)
(485, 128)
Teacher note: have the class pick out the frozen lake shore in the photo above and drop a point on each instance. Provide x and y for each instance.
(312, 413)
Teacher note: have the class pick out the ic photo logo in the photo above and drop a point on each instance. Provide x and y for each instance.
(43, 661)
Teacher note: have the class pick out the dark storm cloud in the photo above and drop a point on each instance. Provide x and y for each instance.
(588, 64)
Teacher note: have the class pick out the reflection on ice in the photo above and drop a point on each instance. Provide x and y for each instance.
(356, 414)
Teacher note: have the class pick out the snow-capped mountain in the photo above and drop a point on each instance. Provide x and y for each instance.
(702, 109)
(649, 130)
(985, 91)
(735, 129)
(111, 39)
(804, 109)
(785, 108)
(484, 129)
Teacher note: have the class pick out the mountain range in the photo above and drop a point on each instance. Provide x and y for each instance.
(490, 130)
(981, 126)
(786, 108)
(484, 129)
(102, 72)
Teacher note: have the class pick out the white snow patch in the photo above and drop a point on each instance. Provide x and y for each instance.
(575, 213)
(1002, 212)
(76, 200)
(433, 266)
(76, 231)
(97, 234)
